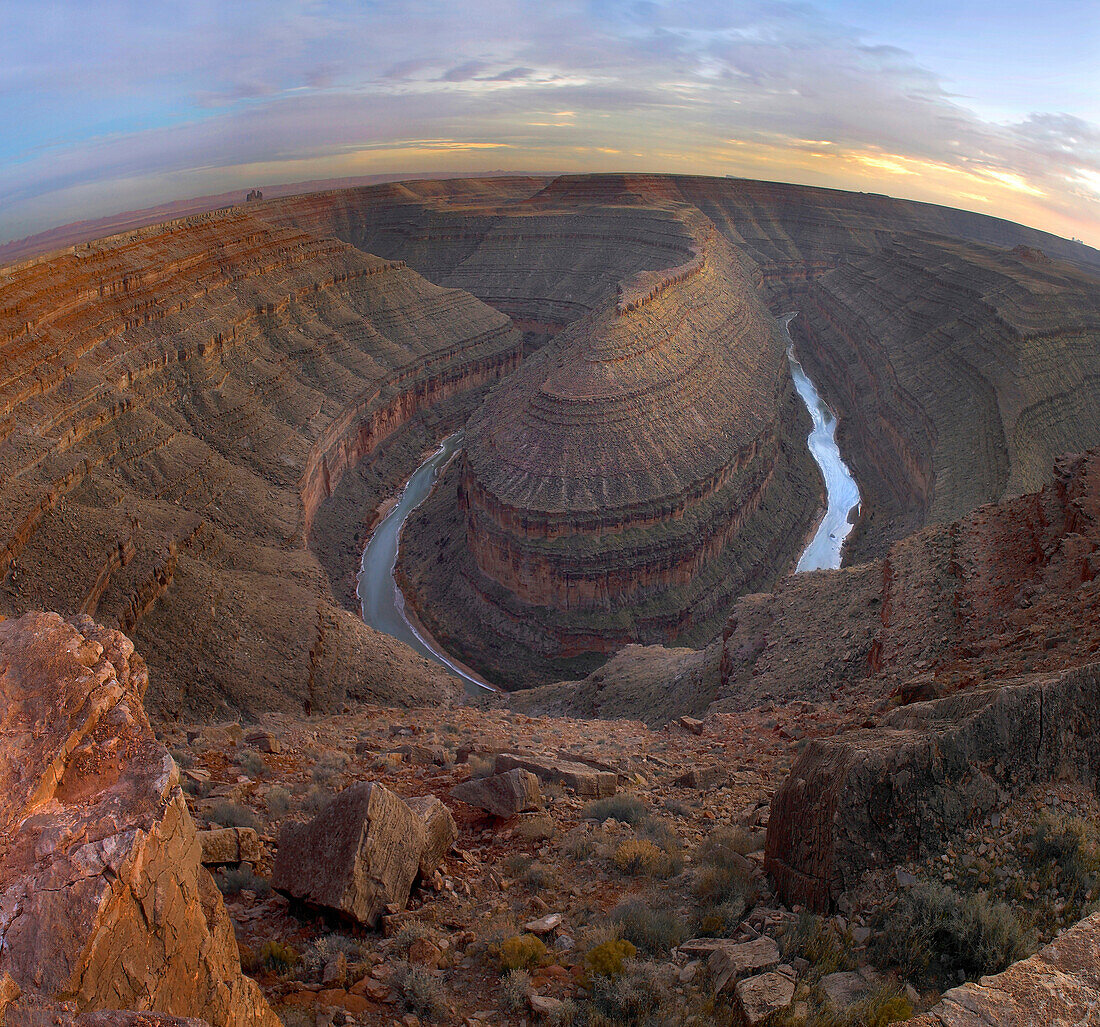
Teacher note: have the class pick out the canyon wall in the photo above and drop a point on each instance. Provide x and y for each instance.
(175, 403)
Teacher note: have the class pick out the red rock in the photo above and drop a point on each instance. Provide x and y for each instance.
(103, 901)
(440, 832)
(503, 795)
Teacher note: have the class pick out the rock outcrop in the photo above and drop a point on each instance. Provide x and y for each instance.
(104, 904)
(870, 799)
(358, 856)
(175, 406)
(1059, 986)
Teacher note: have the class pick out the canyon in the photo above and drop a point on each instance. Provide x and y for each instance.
(230, 800)
(203, 417)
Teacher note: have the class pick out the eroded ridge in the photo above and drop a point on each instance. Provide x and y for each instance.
(174, 406)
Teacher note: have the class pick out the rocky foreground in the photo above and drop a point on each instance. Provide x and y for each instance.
(488, 867)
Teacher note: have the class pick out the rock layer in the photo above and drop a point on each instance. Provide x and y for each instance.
(103, 901)
(176, 403)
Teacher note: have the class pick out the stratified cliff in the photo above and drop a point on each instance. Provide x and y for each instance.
(175, 405)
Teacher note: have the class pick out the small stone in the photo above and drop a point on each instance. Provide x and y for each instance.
(544, 925)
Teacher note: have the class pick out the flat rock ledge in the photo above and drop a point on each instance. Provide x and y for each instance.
(104, 904)
(1059, 986)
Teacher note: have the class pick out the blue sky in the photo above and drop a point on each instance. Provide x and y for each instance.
(108, 105)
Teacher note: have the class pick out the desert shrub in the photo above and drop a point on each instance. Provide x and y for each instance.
(524, 952)
(277, 957)
(1066, 857)
(277, 802)
(580, 844)
(639, 856)
(568, 1014)
(607, 958)
(517, 863)
(411, 932)
(420, 991)
(627, 809)
(937, 933)
(884, 1006)
(184, 759)
(724, 891)
(233, 880)
(316, 799)
(814, 940)
(295, 1016)
(515, 986)
(654, 931)
(252, 763)
(723, 843)
(629, 999)
(538, 877)
(232, 814)
(535, 829)
(325, 949)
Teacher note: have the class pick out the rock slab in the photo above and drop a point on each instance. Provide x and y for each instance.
(577, 777)
(440, 831)
(503, 795)
(356, 857)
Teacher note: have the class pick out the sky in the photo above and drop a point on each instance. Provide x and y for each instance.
(113, 105)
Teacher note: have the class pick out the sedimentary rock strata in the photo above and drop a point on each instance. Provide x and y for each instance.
(176, 403)
(104, 904)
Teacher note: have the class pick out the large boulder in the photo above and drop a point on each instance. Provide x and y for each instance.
(360, 854)
(104, 904)
(503, 795)
(576, 776)
(440, 831)
(870, 799)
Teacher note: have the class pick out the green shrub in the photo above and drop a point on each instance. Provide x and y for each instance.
(538, 877)
(607, 958)
(184, 760)
(654, 931)
(277, 957)
(524, 952)
(535, 829)
(937, 933)
(724, 843)
(232, 814)
(814, 940)
(627, 809)
(1066, 858)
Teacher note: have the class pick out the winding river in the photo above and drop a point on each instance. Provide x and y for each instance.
(842, 507)
(383, 603)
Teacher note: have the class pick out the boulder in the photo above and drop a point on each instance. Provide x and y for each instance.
(760, 996)
(577, 777)
(844, 989)
(874, 798)
(703, 778)
(503, 795)
(359, 855)
(103, 900)
(692, 725)
(440, 831)
(223, 845)
(262, 739)
(733, 960)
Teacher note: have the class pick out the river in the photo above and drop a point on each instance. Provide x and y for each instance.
(383, 603)
(825, 549)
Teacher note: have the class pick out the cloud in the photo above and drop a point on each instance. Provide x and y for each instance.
(106, 94)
